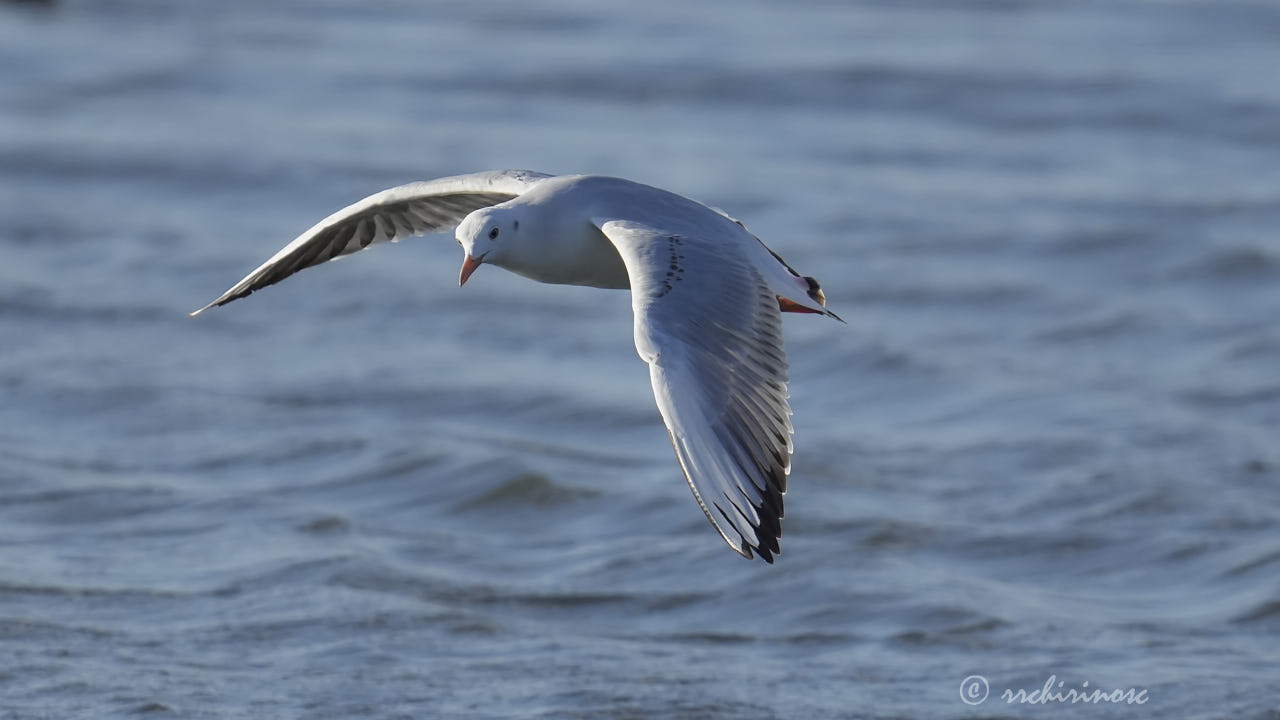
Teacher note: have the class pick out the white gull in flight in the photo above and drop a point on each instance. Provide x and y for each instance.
(706, 293)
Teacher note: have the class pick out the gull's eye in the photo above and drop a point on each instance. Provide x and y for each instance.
(493, 234)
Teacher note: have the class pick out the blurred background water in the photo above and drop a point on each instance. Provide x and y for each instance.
(1045, 444)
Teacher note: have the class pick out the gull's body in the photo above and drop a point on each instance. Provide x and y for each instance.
(706, 293)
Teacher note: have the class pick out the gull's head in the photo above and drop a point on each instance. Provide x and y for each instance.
(486, 236)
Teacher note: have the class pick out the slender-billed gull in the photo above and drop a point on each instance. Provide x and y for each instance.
(706, 293)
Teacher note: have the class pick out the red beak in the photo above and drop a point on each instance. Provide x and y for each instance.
(469, 265)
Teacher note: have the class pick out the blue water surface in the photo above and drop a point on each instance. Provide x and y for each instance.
(1044, 449)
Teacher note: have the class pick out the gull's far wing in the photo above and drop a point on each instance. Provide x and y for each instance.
(391, 215)
(709, 326)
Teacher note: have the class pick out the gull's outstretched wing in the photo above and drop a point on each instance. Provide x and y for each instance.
(709, 326)
(414, 209)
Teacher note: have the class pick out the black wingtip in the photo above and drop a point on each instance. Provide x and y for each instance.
(767, 535)
(767, 541)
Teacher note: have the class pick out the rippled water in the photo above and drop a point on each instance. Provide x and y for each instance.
(1045, 445)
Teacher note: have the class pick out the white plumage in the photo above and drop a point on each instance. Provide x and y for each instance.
(706, 293)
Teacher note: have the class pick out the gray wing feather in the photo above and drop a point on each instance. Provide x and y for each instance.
(713, 342)
(391, 215)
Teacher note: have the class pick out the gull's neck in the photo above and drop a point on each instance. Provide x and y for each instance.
(562, 246)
